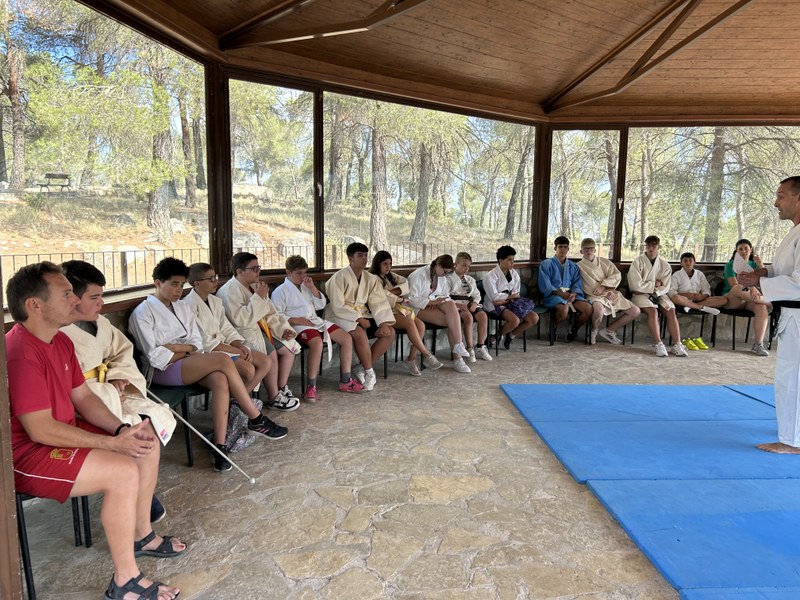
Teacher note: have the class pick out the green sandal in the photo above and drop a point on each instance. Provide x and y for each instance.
(117, 592)
(163, 550)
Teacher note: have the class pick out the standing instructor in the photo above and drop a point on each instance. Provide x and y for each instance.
(781, 281)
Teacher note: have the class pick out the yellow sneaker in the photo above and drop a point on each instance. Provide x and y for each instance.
(690, 345)
(701, 345)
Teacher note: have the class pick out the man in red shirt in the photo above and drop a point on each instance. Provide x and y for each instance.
(66, 443)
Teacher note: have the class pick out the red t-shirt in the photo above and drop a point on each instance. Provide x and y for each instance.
(40, 376)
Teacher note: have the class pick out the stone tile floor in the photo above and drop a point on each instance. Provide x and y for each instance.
(426, 488)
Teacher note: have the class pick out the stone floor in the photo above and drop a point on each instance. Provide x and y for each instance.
(426, 488)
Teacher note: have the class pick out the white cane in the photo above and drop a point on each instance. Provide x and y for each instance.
(202, 437)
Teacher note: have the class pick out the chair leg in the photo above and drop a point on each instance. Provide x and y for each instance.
(552, 328)
(87, 525)
(385, 365)
(525, 341)
(733, 332)
(187, 433)
(747, 331)
(633, 330)
(25, 550)
(302, 368)
(714, 331)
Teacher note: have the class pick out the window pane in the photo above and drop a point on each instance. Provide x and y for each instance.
(103, 158)
(583, 183)
(420, 183)
(700, 189)
(272, 142)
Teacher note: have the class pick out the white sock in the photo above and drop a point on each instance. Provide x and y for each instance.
(709, 310)
(686, 309)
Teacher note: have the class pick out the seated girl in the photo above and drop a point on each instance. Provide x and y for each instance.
(429, 296)
(748, 298)
(396, 287)
(464, 291)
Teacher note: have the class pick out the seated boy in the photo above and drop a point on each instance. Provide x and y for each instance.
(600, 280)
(562, 287)
(298, 299)
(249, 309)
(649, 280)
(357, 304)
(464, 291)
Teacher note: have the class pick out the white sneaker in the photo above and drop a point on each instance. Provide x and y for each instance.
(287, 393)
(687, 309)
(593, 337)
(460, 366)
(709, 310)
(610, 336)
(432, 362)
(412, 367)
(460, 350)
(358, 374)
(759, 350)
(471, 358)
(483, 353)
(661, 349)
(679, 349)
(369, 380)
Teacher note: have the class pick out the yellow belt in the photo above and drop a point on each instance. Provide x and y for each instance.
(99, 371)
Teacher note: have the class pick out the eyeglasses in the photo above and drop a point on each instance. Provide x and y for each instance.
(256, 268)
(212, 278)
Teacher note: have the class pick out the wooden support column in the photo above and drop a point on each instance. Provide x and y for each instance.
(622, 170)
(541, 182)
(218, 153)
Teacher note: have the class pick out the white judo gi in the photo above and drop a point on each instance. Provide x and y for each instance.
(107, 356)
(783, 283)
(212, 322)
(642, 276)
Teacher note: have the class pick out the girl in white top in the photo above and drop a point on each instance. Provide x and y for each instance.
(429, 296)
(396, 287)
(464, 291)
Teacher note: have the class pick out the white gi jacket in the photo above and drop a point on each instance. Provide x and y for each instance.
(603, 272)
(152, 325)
(419, 288)
(458, 288)
(292, 302)
(111, 353)
(244, 309)
(214, 326)
(351, 299)
(697, 283)
(642, 276)
(497, 287)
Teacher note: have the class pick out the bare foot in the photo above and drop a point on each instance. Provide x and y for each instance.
(779, 448)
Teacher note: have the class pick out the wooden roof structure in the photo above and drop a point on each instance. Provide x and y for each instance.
(539, 60)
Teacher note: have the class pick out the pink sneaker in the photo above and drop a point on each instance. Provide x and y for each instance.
(311, 394)
(352, 386)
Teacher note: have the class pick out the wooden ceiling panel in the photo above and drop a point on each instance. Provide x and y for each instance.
(515, 54)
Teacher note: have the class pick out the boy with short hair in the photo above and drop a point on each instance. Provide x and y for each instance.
(562, 287)
(649, 280)
(298, 299)
(690, 290)
(249, 309)
(464, 291)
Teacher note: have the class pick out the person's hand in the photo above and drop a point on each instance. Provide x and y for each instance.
(757, 260)
(659, 283)
(288, 334)
(748, 279)
(302, 321)
(599, 290)
(245, 353)
(309, 283)
(261, 288)
(755, 293)
(120, 384)
(473, 306)
(571, 297)
(513, 296)
(135, 441)
(611, 295)
(173, 347)
(363, 323)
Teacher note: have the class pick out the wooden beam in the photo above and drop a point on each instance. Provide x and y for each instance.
(630, 78)
(388, 11)
(619, 49)
(268, 16)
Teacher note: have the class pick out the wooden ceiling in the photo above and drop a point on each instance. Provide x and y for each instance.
(632, 60)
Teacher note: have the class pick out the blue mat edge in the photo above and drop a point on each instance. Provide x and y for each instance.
(762, 593)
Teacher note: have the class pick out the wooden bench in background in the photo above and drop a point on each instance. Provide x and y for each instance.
(62, 180)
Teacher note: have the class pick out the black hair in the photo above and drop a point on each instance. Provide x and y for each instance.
(356, 247)
(240, 260)
(170, 267)
(503, 252)
(375, 267)
(81, 274)
(739, 243)
(29, 282)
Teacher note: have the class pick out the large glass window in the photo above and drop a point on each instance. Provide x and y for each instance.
(420, 183)
(102, 149)
(700, 189)
(272, 146)
(583, 183)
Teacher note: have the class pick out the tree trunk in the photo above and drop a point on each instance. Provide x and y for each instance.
(565, 205)
(488, 198)
(16, 62)
(158, 200)
(3, 165)
(611, 172)
(380, 192)
(423, 195)
(188, 156)
(519, 184)
(716, 177)
(197, 134)
(333, 191)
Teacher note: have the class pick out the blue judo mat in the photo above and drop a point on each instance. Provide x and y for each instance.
(678, 468)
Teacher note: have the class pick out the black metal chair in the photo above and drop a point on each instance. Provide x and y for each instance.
(23, 534)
